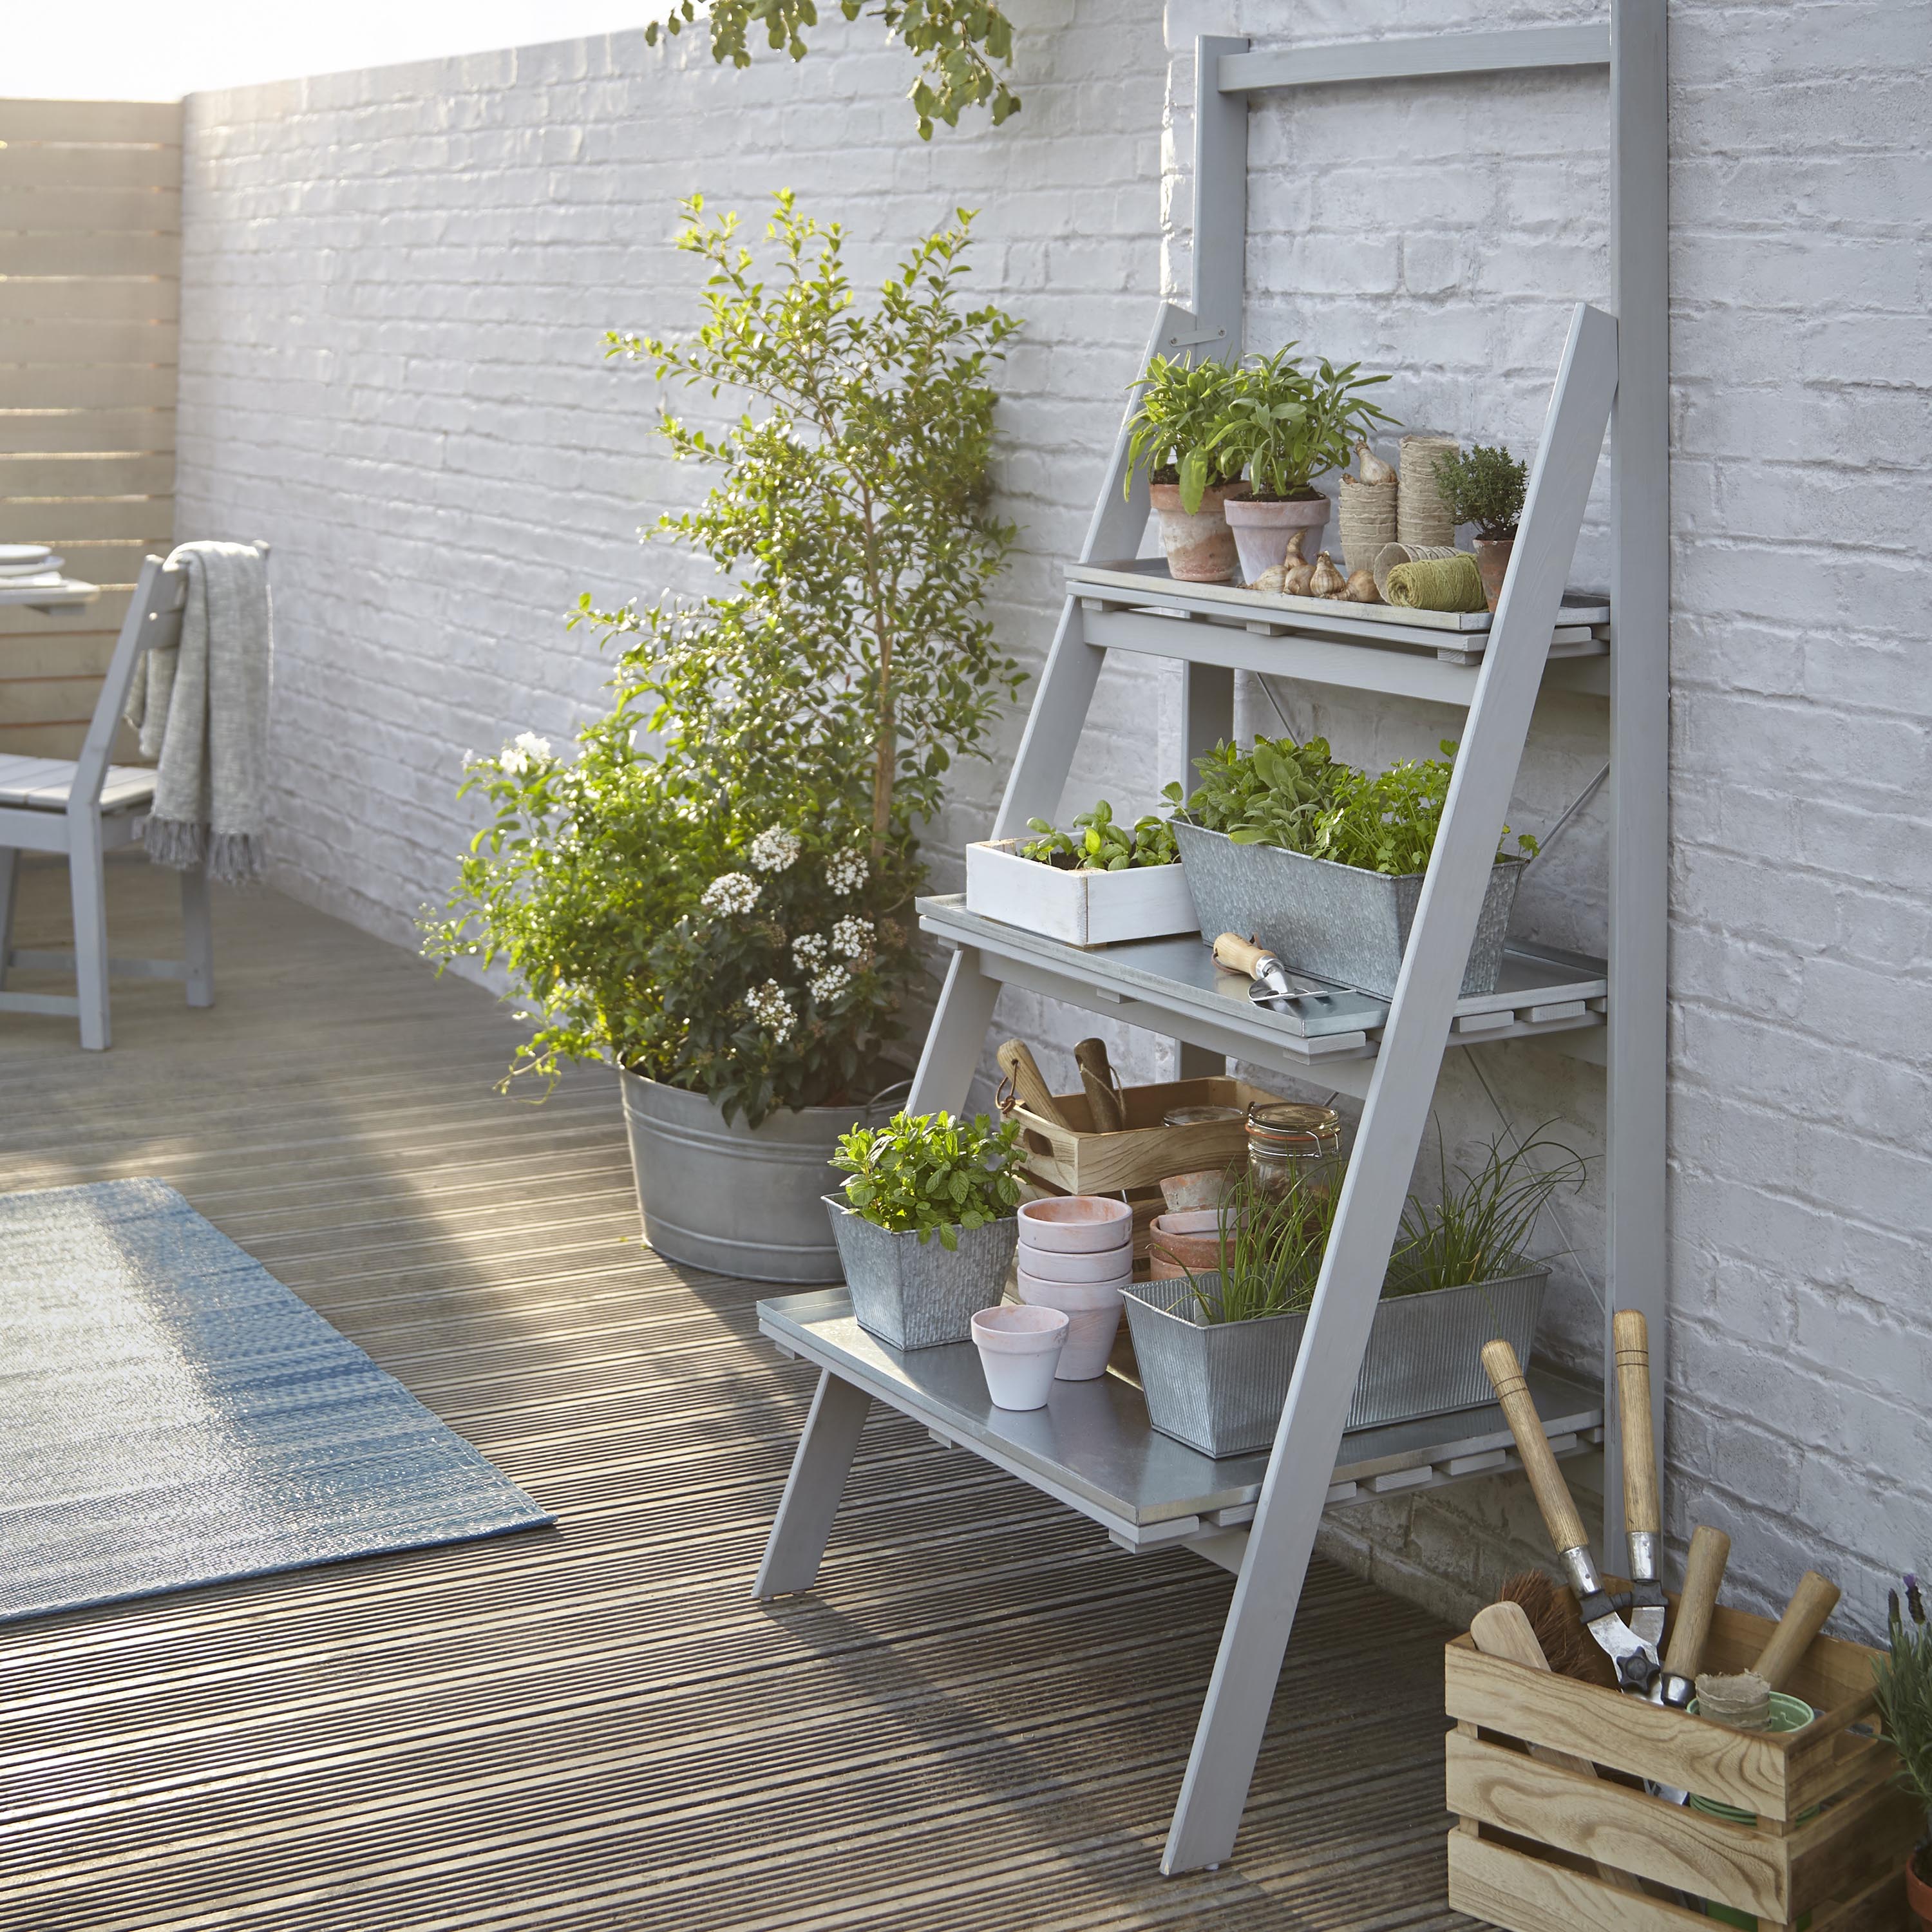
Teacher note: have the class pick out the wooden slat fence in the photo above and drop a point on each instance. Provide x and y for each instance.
(90, 280)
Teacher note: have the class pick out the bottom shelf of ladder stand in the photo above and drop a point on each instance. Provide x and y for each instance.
(1093, 1448)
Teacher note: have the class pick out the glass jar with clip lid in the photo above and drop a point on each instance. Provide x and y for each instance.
(1290, 1142)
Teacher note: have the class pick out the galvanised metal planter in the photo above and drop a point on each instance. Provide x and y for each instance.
(1219, 1386)
(920, 1295)
(1335, 922)
(741, 1200)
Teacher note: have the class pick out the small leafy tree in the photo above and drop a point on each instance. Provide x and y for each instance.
(729, 910)
(854, 512)
(957, 42)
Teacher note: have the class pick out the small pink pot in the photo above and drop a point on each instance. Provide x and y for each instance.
(1093, 1318)
(1075, 1224)
(1191, 1240)
(1109, 1265)
(1019, 1349)
(1188, 1193)
(1262, 529)
(1198, 544)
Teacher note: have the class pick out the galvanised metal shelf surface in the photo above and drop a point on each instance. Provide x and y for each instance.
(1093, 1448)
(1173, 986)
(1136, 607)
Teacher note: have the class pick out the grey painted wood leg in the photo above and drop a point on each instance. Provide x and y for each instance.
(811, 1491)
(951, 1055)
(198, 936)
(10, 880)
(88, 887)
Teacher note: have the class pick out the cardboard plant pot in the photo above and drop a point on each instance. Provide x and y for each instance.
(1198, 544)
(921, 1294)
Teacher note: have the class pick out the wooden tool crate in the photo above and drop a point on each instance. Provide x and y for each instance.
(1832, 1830)
(1076, 1160)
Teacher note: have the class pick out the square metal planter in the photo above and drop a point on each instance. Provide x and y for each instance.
(1335, 922)
(918, 1294)
(1220, 1387)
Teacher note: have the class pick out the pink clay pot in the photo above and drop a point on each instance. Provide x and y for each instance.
(1198, 544)
(1075, 1224)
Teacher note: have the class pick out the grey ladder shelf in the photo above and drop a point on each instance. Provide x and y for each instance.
(1093, 1449)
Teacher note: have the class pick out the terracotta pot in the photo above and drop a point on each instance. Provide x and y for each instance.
(1261, 526)
(1493, 558)
(1187, 1240)
(1918, 1889)
(1198, 545)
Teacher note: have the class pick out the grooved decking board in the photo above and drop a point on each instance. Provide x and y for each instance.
(978, 1720)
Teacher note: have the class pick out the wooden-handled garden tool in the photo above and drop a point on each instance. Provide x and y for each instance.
(1703, 1576)
(1804, 1616)
(1636, 1661)
(1028, 1083)
(1238, 955)
(1642, 1516)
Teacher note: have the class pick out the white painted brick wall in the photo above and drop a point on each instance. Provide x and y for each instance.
(394, 283)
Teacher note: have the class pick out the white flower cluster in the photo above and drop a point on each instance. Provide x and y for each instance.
(852, 937)
(774, 848)
(734, 893)
(846, 873)
(523, 751)
(772, 1010)
(808, 950)
(829, 984)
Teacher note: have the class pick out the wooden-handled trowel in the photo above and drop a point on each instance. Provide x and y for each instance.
(1312, 1007)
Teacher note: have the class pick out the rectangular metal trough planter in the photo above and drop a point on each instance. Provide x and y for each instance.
(921, 1294)
(1220, 1387)
(1335, 922)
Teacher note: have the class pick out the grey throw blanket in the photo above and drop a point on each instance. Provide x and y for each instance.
(203, 711)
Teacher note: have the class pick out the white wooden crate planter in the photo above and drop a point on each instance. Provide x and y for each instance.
(1083, 908)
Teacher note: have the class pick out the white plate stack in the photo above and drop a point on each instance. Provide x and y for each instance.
(29, 567)
(1076, 1253)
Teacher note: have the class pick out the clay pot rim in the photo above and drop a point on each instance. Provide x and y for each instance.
(1219, 492)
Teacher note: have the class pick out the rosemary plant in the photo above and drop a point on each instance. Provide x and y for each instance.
(1904, 1689)
(1479, 1228)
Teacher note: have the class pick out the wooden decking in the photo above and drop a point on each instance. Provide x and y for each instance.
(976, 1721)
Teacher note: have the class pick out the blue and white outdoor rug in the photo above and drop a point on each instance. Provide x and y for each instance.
(170, 1414)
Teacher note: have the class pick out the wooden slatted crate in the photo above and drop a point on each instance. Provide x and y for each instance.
(1076, 1160)
(1832, 1830)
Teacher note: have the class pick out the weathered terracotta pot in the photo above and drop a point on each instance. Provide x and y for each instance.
(1493, 560)
(1199, 546)
(1190, 1239)
(1918, 1890)
(1261, 525)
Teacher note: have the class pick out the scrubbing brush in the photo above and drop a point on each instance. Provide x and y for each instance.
(1552, 1610)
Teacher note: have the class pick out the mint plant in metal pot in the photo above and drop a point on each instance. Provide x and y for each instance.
(1323, 863)
(714, 893)
(929, 1224)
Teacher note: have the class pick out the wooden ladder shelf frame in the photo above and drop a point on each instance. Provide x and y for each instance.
(1613, 372)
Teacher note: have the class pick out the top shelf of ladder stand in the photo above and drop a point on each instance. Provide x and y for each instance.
(1135, 605)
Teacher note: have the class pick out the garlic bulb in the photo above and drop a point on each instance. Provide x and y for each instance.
(1269, 580)
(1361, 588)
(1373, 468)
(1325, 581)
(1295, 580)
(1296, 538)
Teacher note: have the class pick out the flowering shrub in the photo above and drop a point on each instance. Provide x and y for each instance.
(716, 891)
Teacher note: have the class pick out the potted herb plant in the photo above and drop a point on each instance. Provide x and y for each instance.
(1323, 863)
(1285, 427)
(1101, 883)
(928, 1227)
(1904, 1687)
(1169, 432)
(1217, 1350)
(717, 896)
(1486, 487)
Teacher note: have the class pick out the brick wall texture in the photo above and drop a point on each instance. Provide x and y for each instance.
(394, 283)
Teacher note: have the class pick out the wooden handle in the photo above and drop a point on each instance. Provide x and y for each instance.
(1811, 1603)
(1631, 1334)
(1703, 1576)
(1504, 1631)
(1546, 1480)
(1030, 1087)
(1238, 955)
(1097, 1076)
